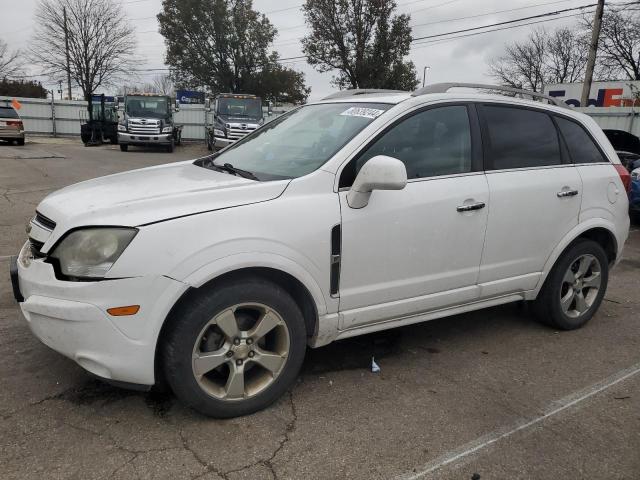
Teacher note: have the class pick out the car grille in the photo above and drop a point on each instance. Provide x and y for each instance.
(237, 132)
(146, 127)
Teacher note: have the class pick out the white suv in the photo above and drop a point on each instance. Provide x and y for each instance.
(365, 211)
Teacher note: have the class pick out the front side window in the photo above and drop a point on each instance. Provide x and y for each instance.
(300, 141)
(581, 147)
(429, 143)
(520, 138)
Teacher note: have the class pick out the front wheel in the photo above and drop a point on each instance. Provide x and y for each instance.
(124, 148)
(235, 350)
(170, 147)
(575, 287)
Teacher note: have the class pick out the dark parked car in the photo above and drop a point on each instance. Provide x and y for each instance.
(11, 127)
(631, 161)
(623, 141)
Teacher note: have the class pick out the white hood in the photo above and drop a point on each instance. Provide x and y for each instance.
(150, 195)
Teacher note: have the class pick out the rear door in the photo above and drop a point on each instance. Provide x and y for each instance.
(535, 195)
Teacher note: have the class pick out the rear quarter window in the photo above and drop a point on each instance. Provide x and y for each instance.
(581, 146)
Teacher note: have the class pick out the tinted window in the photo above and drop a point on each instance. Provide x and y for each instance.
(580, 145)
(520, 138)
(8, 112)
(429, 143)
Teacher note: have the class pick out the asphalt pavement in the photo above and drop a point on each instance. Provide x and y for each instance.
(489, 395)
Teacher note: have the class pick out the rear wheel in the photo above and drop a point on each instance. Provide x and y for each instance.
(575, 287)
(20, 141)
(124, 148)
(235, 351)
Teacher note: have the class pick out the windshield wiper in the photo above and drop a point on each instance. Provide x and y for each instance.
(227, 167)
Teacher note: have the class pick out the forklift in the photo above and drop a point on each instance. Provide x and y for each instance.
(100, 121)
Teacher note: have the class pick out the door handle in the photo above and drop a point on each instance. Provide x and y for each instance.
(470, 207)
(567, 193)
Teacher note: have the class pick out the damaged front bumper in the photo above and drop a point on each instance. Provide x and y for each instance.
(72, 319)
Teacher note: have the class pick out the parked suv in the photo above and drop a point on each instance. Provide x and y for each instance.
(365, 211)
(11, 126)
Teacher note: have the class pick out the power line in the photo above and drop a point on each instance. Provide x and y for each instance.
(515, 20)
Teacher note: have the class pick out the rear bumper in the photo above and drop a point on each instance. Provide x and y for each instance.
(131, 139)
(11, 134)
(71, 318)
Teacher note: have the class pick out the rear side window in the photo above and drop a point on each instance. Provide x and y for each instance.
(8, 112)
(581, 147)
(519, 138)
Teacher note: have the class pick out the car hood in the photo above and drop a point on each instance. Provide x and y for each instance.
(151, 195)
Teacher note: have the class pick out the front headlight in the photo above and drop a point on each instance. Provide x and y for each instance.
(167, 130)
(218, 133)
(122, 127)
(90, 252)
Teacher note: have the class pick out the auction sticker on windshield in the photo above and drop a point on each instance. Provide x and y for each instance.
(362, 112)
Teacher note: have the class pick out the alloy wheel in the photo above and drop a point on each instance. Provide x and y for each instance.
(240, 352)
(580, 285)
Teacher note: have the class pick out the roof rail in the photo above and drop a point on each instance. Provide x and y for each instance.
(444, 87)
(360, 91)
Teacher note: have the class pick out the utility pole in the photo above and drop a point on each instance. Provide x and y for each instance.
(66, 47)
(593, 49)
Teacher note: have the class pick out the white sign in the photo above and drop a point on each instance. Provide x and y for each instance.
(603, 94)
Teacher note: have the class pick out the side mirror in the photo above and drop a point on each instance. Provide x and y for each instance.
(207, 105)
(177, 107)
(379, 173)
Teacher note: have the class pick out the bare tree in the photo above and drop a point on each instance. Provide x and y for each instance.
(523, 63)
(543, 58)
(101, 42)
(566, 56)
(619, 46)
(9, 61)
(163, 84)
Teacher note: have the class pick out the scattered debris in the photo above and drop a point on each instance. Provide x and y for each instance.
(484, 352)
(475, 476)
(622, 398)
(375, 368)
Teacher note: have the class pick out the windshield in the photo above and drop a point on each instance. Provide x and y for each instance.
(153, 107)
(240, 107)
(300, 141)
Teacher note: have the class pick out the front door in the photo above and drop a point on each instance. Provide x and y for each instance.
(417, 249)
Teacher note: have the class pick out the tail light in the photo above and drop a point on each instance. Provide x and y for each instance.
(625, 176)
(15, 123)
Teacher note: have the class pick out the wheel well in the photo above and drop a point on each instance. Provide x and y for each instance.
(606, 240)
(288, 282)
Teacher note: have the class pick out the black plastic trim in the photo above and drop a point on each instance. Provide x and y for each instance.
(336, 249)
(15, 282)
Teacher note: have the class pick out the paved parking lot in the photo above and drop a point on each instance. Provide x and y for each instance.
(490, 393)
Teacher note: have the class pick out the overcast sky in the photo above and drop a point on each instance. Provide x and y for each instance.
(463, 59)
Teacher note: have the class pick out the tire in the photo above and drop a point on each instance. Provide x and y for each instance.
(113, 140)
(195, 331)
(20, 142)
(209, 146)
(170, 147)
(124, 148)
(580, 277)
(85, 138)
(179, 140)
(635, 217)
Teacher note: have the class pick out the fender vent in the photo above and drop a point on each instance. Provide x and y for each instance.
(336, 240)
